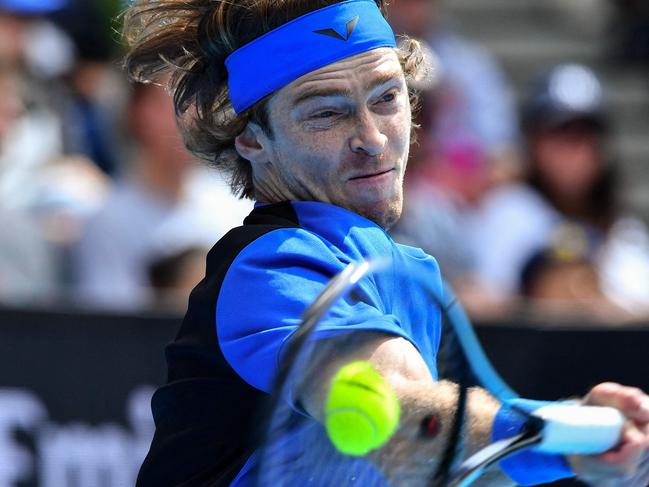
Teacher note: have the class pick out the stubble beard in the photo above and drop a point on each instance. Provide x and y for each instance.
(385, 215)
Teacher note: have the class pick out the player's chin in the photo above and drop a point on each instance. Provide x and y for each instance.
(383, 212)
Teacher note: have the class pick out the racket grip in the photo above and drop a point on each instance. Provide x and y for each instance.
(576, 429)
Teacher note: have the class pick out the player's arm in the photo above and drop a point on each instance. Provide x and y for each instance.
(410, 457)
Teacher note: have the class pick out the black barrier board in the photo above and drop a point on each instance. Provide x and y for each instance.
(75, 387)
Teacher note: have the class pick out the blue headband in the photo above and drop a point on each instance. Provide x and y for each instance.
(302, 45)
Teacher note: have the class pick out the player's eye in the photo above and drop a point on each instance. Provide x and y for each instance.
(324, 114)
(388, 97)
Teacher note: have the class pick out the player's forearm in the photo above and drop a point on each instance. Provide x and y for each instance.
(412, 456)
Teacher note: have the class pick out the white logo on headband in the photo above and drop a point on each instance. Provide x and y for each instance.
(332, 33)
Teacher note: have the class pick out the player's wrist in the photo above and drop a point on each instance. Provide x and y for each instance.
(527, 467)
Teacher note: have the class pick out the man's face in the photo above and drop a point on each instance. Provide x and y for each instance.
(340, 135)
(569, 158)
(12, 38)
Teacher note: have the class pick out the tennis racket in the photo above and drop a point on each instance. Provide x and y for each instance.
(295, 449)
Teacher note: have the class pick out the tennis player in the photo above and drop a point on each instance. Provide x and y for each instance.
(306, 105)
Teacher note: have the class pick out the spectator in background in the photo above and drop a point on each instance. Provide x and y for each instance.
(26, 261)
(467, 142)
(173, 276)
(41, 183)
(563, 278)
(472, 96)
(97, 92)
(18, 18)
(162, 207)
(33, 138)
(571, 179)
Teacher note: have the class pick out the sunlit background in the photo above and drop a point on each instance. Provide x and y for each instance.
(529, 183)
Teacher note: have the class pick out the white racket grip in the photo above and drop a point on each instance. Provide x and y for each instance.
(575, 429)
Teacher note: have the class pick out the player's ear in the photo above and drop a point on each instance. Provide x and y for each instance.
(251, 144)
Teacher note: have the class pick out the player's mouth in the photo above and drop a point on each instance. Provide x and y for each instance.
(378, 175)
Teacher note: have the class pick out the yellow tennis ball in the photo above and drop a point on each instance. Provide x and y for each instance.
(362, 410)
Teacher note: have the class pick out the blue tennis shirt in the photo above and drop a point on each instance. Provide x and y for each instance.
(281, 273)
(260, 278)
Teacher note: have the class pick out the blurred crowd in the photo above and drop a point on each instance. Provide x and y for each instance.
(519, 202)
(101, 206)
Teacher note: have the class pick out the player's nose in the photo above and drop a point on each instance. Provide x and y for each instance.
(367, 138)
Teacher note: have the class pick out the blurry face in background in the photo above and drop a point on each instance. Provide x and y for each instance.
(575, 281)
(12, 36)
(459, 167)
(154, 124)
(413, 17)
(568, 158)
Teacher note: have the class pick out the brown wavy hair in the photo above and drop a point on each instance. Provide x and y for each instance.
(190, 39)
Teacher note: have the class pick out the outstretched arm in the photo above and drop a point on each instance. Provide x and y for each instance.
(411, 458)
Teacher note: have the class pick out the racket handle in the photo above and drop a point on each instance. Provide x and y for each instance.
(576, 429)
